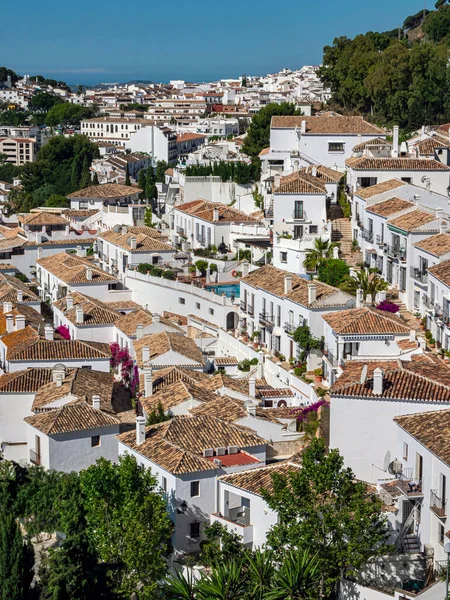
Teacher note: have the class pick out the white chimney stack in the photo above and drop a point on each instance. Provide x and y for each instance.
(133, 243)
(9, 324)
(96, 402)
(314, 171)
(251, 409)
(312, 293)
(412, 335)
(38, 237)
(67, 231)
(252, 387)
(39, 252)
(287, 283)
(359, 298)
(7, 307)
(395, 142)
(20, 322)
(148, 381)
(443, 227)
(48, 332)
(140, 430)
(79, 318)
(58, 374)
(378, 381)
(124, 230)
(303, 127)
(139, 332)
(69, 302)
(19, 296)
(89, 273)
(215, 214)
(145, 354)
(156, 318)
(245, 265)
(80, 251)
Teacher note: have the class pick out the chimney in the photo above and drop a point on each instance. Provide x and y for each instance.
(395, 142)
(20, 322)
(39, 253)
(38, 237)
(48, 332)
(303, 127)
(140, 430)
(439, 213)
(145, 354)
(9, 324)
(251, 409)
(80, 252)
(69, 302)
(67, 231)
(336, 252)
(443, 227)
(7, 307)
(312, 293)
(89, 273)
(133, 243)
(156, 318)
(148, 381)
(215, 214)
(19, 296)
(96, 402)
(378, 382)
(252, 387)
(139, 331)
(412, 335)
(314, 171)
(79, 317)
(124, 230)
(58, 374)
(287, 283)
(359, 298)
(245, 265)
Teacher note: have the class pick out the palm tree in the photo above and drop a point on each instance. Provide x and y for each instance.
(366, 279)
(298, 578)
(180, 587)
(322, 250)
(227, 581)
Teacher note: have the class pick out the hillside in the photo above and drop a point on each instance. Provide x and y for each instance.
(399, 77)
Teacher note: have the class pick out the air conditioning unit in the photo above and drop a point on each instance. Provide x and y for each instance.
(395, 467)
(208, 452)
(221, 451)
(233, 449)
(217, 462)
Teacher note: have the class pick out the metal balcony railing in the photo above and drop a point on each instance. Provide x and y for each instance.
(395, 251)
(380, 240)
(367, 235)
(437, 504)
(299, 215)
(250, 310)
(35, 458)
(243, 305)
(332, 359)
(419, 275)
(180, 231)
(427, 301)
(266, 319)
(290, 328)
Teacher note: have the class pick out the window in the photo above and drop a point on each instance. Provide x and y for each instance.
(197, 305)
(164, 484)
(441, 532)
(335, 146)
(298, 232)
(405, 451)
(181, 301)
(313, 229)
(211, 311)
(283, 257)
(95, 441)
(298, 209)
(407, 179)
(194, 530)
(195, 489)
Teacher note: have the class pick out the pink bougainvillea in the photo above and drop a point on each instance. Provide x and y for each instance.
(63, 331)
(303, 411)
(120, 357)
(388, 306)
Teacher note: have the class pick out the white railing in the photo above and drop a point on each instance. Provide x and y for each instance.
(249, 230)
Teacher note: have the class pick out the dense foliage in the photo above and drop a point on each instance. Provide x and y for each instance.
(239, 172)
(395, 81)
(333, 271)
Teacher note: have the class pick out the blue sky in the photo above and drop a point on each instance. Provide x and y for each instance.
(107, 40)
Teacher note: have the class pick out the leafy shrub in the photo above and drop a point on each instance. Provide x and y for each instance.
(63, 331)
(168, 274)
(388, 306)
(202, 265)
(333, 271)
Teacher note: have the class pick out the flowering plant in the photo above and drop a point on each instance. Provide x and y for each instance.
(303, 411)
(63, 331)
(388, 306)
(128, 370)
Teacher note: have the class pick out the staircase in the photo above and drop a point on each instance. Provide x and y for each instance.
(403, 312)
(411, 544)
(341, 232)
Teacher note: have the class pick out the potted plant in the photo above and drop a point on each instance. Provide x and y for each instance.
(318, 375)
(255, 338)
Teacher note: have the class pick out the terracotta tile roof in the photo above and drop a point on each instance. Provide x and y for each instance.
(81, 385)
(364, 321)
(327, 125)
(203, 209)
(437, 245)
(80, 213)
(32, 317)
(185, 137)
(408, 380)
(175, 394)
(256, 480)
(413, 220)
(26, 381)
(70, 418)
(106, 190)
(427, 146)
(123, 305)
(12, 242)
(41, 218)
(64, 243)
(150, 231)
(169, 375)
(300, 183)
(71, 269)
(374, 142)
(161, 343)
(144, 242)
(169, 172)
(8, 267)
(397, 164)
(221, 361)
(431, 429)
(264, 151)
(379, 188)
(389, 207)
(271, 279)
(441, 272)
(25, 345)
(230, 409)
(325, 173)
(94, 311)
(407, 345)
(177, 445)
(9, 285)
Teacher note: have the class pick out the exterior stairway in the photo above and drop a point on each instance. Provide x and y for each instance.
(341, 231)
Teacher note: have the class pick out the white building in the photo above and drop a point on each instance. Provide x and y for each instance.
(108, 194)
(158, 142)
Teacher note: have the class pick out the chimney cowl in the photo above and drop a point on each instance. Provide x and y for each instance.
(378, 383)
(140, 430)
(312, 293)
(96, 402)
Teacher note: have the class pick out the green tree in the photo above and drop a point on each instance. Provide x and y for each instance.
(227, 581)
(322, 507)
(160, 173)
(366, 279)
(142, 182)
(148, 216)
(305, 340)
(179, 587)
(298, 577)
(258, 135)
(220, 545)
(67, 114)
(322, 250)
(333, 271)
(57, 201)
(85, 179)
(44, 101)
(16, 560)
(128, 523)
(150, 184)
(157, 415)
(127, 176)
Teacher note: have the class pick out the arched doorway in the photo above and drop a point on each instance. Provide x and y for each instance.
(232, 320)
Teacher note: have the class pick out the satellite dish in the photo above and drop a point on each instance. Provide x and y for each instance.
(117, 228)
(363, 374)
(350, 303)
(387, 460)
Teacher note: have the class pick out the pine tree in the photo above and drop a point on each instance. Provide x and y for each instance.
(142, 182)
(85, 179)
(148, 217)
(127, 176)
(75, 173)
(150, 184)
(95, 180)
(16, 561)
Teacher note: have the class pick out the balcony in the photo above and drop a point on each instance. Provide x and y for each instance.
(427, 301)
(237, 525)
(266, 320)
(290, 328)
(180, 231)
(250, 310)
(395, 251)
(380, 240)
(35, 458)
(243, 306)
(299, 215)
(367, 235)
(438, 505)
(409, 485)
(331, 358)
(419, 275)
